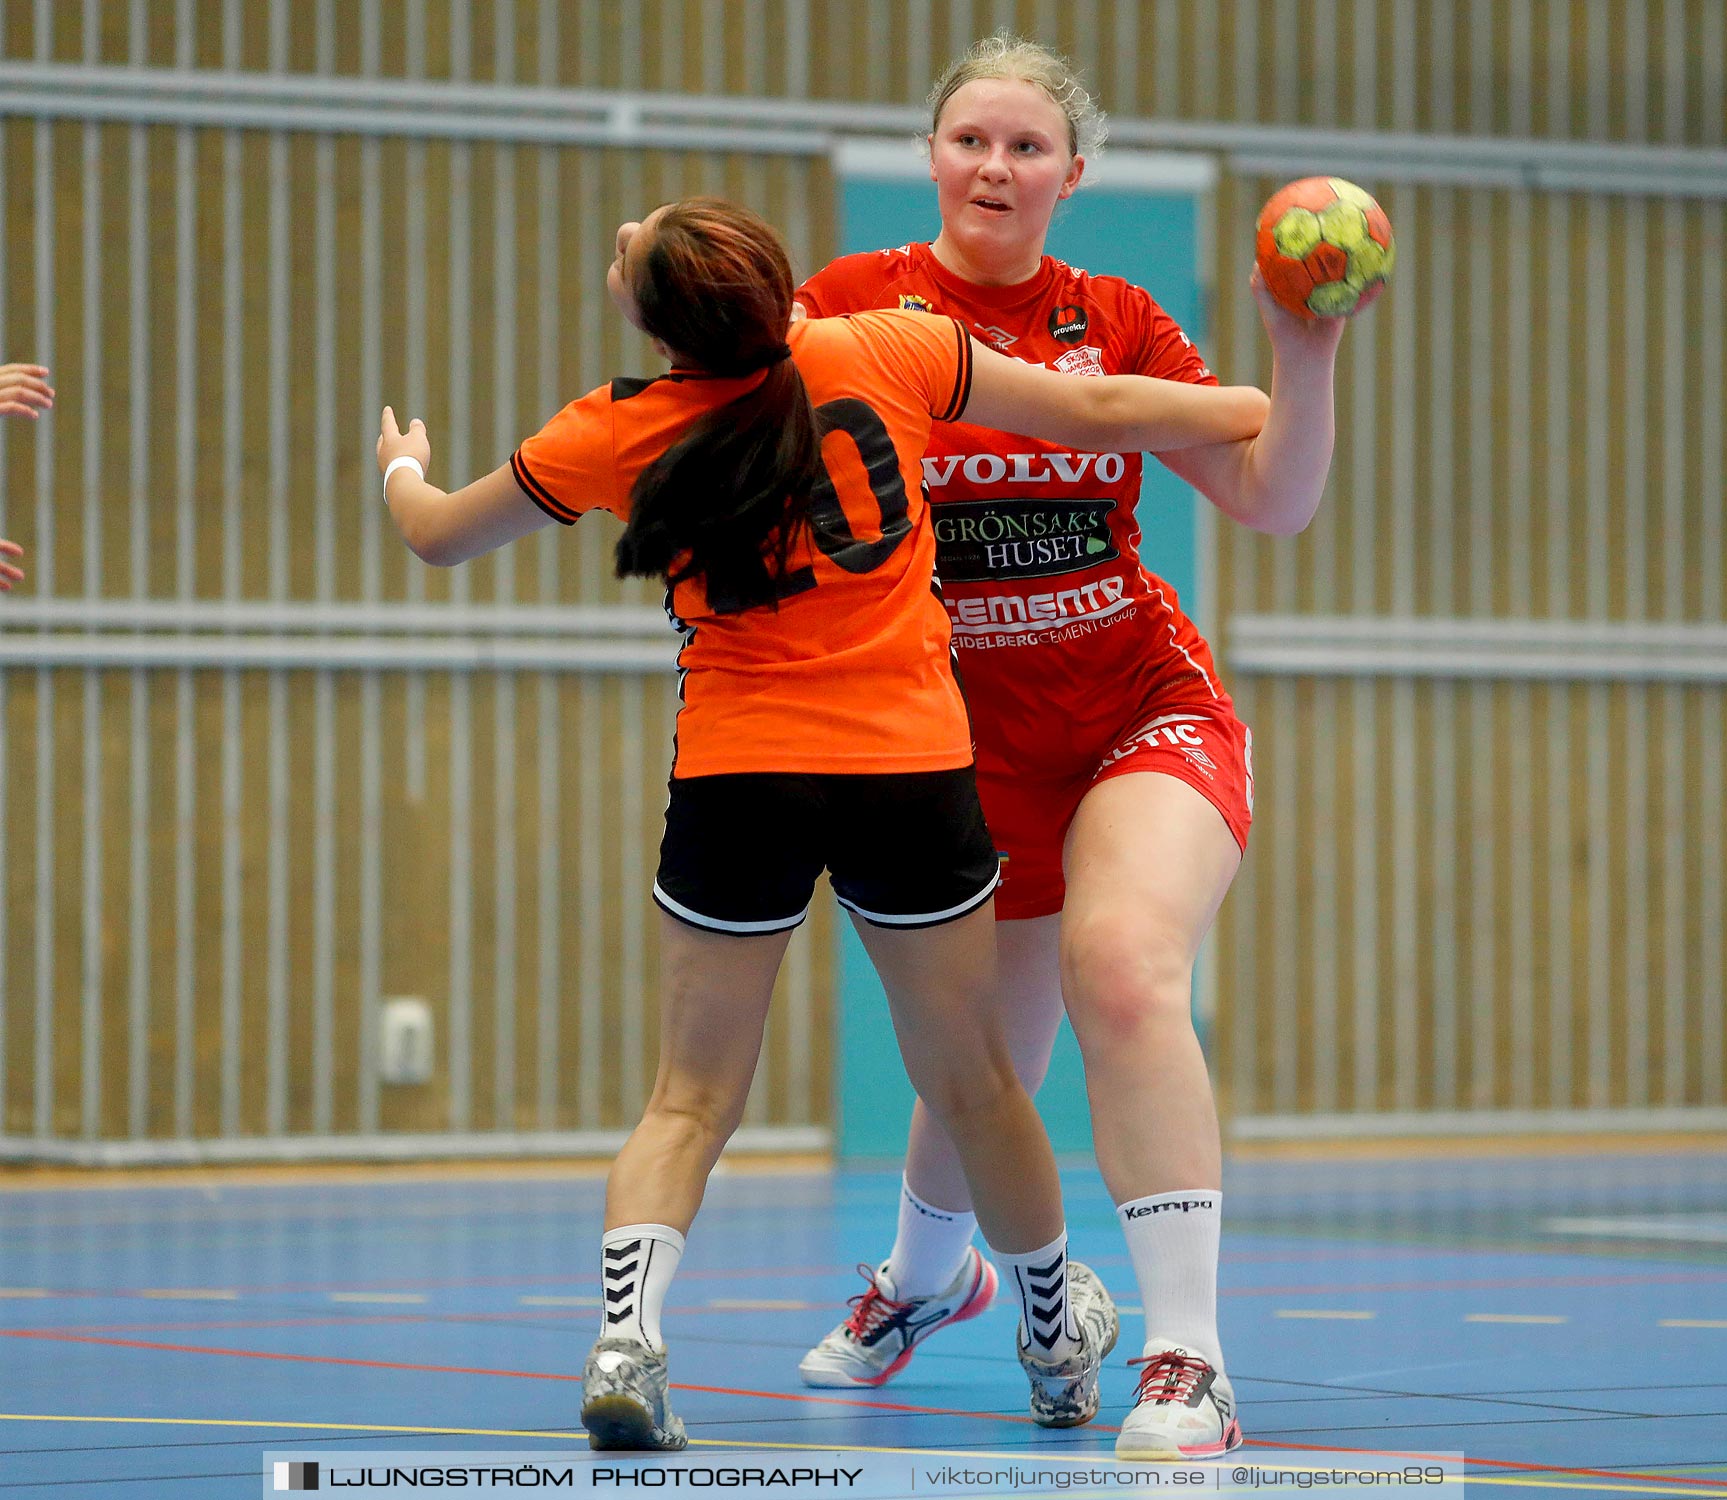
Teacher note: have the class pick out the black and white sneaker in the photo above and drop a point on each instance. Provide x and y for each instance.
(624, 1401)
(1065, 1394)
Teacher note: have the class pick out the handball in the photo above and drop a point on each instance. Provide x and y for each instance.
(1324, 247)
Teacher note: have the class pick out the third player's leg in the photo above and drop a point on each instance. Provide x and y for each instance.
(941, 988)
(1028, 1003)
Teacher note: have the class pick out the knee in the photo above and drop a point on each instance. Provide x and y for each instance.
(695, 1116)
(1123, 979)
(955, 1087)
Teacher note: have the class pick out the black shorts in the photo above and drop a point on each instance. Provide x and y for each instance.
(741, 853)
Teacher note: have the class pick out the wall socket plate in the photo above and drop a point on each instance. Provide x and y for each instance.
(405, 1040)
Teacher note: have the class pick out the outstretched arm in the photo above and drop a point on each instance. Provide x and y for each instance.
(24, 391)
(1107, 413)
(441, 528)
(1273, 482)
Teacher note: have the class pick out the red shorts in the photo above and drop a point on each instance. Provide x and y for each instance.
(1203, 744)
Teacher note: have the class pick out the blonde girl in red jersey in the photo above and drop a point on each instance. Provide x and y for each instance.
(24, 392)
(772, 477)
(1113, 771)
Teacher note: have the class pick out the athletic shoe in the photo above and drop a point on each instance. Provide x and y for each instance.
(1183, 1409)
(624, 1403)
(876, 1341)
(1065, 1394)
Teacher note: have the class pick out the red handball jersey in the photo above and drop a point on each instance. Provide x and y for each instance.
(1063, 635)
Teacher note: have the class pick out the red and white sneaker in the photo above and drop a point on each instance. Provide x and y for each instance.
(875, 1343)
(1182, 1409)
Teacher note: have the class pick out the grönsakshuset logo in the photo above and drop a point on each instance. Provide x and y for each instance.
(1033, 537)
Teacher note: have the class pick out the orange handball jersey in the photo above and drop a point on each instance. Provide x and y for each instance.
(852, 672)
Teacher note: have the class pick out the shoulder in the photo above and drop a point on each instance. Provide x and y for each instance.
(1103, 291)
(866, 279)
(899, 326)
(1113, 309)
(872, 329)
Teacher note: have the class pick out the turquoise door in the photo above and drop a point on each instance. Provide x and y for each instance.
(1141, 220)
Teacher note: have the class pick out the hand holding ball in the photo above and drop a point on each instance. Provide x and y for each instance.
(1324, 247)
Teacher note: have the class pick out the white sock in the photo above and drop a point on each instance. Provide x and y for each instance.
(1046, 1321)
(1172, 1240)
(637, 1262)
(930, 1247)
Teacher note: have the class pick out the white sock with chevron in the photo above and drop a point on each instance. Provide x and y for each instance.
(1046, 1322)
(637, 1262)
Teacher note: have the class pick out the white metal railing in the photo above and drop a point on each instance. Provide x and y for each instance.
(1401, 646)
(260, 634)
(537, 115)
(328, 617)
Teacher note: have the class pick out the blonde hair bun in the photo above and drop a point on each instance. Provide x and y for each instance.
(1007, 56)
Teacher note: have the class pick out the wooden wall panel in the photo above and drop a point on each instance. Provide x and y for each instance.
(1460, 895)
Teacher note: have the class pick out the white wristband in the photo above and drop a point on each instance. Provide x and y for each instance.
(406, 461)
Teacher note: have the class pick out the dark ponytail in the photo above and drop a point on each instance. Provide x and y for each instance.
(725, 502)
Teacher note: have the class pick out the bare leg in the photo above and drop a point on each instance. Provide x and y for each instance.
(1028, 1004)
(1148, 863)
(940, 984)
(715, 992)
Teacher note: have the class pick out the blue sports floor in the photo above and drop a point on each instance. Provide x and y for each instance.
(1560, 1319)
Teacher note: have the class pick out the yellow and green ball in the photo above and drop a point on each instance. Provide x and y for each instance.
(1324, 247)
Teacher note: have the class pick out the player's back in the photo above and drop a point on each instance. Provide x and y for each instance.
(849, 670)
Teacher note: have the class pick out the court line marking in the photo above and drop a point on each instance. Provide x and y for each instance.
(1514, 1318)
(711, 1273)
(1694, 1323)
(1475, 1284)
(380, 1364)
(1342, 1314)
(381, 1292)
(1660, 1487)
(1480, 1283)
(314, 1320)
(805, 1399)
(1698, 1228)
(26, 1416)
(1707, 1486)
(190, 1294)
(405, 1299)
(762, 1304)
(1571, 1486)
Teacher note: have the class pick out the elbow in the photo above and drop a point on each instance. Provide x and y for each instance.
(430, 545)
(434, 556)
(1285, 525)
(1283, 519)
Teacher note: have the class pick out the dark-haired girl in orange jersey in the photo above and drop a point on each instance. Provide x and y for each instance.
(772, 477)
